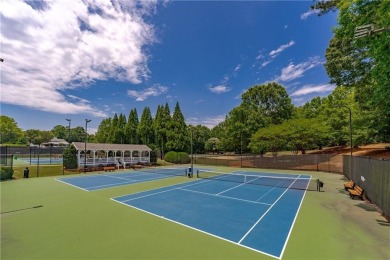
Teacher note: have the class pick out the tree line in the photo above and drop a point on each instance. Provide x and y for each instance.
(265, 121)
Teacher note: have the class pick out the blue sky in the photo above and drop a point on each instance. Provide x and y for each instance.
(78, 59)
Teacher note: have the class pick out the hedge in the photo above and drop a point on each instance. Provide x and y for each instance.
(177, 157)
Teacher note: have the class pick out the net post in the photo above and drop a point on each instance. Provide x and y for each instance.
(197, 173)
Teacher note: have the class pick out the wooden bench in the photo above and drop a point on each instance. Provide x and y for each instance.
(137, 166)
(349, 185)
(109, 168)
(356, 192)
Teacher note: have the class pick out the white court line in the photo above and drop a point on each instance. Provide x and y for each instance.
(115, 177)
(151, 194)
(231, 188)
(227, 197)
(239, 185)
(129, 181)
(296, 215)
(111, 185)
(265, 213)
(199, 230)
(71, 185)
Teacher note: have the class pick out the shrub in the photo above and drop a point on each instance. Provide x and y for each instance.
(70, 157)
(153, 157)
(6, 173)
(177, 157)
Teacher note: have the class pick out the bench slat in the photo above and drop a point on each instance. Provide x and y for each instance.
(356, 192)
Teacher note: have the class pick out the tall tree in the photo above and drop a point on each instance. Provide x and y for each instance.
(362, 63)
(103, 131)
(261, 106)
(158, 127)
(9, 130)
(60, 131)
(177, 135)
(131, 127)
(165, 124)
(145, 128)
(38, 137)
(120, 129)
(200, 135)
(78, 134)
(112, 137)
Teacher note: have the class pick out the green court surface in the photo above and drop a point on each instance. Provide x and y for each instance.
(42, 218)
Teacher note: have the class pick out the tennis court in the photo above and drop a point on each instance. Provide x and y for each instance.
(113, 179)
(42, 218)
(42, 160)
(253, 211)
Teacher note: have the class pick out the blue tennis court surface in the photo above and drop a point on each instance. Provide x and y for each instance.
(258, 217)
(109, 180)
(42, 160)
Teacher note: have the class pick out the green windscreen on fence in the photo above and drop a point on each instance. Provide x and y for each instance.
(373, 175)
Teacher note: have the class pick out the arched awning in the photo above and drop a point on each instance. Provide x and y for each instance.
(109, 154)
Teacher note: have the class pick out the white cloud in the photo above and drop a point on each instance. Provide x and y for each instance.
(219, 89)
(308, 89)
(265, 63)
(49, 47)
(237, 68)
(153, 91)
(309, 13)
(263, 60)
(281, 48)
(293, 71)
(209, 122)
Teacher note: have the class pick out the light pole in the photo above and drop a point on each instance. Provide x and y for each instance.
(241, 147)
(85, 143)
(350, 137)
(350, 127)
(69, 130)
(192, 154)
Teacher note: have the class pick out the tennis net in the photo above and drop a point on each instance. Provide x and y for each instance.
(299, 183)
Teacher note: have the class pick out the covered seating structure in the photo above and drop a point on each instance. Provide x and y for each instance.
(120, 155)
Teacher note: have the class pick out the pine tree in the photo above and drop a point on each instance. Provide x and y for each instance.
(114, 123)
(145, 127)
(177, 136)
(131, 134)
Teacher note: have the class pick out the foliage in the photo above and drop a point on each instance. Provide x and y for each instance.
(38, 137)
(103, 131)
(298, 134)
(362, 64)
(271, 139)
(61, 132)
(78, 134)
(213, 145)
(145, 127)
(9, 130)
(153, 157)
(177, 157)
(200, 135)
(70, 157)
(6, 173)
(261, 106)
(131, 127)
(177, 134)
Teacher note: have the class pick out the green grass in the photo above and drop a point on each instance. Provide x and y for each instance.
(75, 224)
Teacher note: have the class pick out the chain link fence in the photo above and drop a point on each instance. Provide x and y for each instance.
(309, 162)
